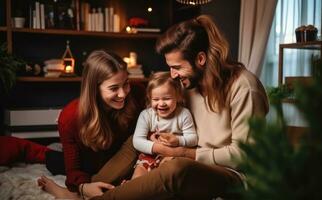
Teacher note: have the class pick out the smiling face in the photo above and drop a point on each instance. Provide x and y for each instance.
(163, 100)
(114, 90)
(180, 68)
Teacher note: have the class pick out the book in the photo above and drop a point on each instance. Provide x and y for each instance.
(152, 30)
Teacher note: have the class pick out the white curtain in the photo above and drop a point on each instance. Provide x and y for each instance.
(289, 15)
(256, 18)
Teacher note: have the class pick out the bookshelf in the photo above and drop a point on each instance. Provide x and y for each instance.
(64, 79)
(160, 18)
(313, 45)
(298, 127)
(36, 45)
(29, 42)
(85, 33)
(48, 79)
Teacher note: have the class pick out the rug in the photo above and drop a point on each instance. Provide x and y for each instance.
(19, 182)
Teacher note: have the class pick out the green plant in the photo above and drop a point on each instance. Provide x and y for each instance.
(276, 95)
(316, 66)
(277, 169)
(9, 65)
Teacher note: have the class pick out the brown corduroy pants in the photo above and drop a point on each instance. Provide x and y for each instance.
(180, 178)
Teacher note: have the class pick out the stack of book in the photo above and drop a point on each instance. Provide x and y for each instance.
(53, 67)
(135, 71)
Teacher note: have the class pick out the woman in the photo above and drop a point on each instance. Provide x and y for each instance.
(95, 129)
(221, 95)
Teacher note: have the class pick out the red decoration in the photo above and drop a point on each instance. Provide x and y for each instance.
(138, 22)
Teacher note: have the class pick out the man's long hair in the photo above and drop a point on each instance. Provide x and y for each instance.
(202, 35)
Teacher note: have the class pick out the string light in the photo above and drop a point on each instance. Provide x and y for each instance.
(194, 2)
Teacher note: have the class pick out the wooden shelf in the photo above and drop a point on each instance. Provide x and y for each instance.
(288, 100)
(3, 28)
(313, 45)
(303, 45)
(63, 79)
(87, 33)
(48, 79)
(290, 81)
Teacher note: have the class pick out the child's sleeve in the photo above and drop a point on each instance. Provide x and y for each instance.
(140, 138)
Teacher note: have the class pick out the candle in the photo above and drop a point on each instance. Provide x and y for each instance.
(68, 69)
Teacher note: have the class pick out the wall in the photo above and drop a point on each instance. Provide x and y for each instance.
(226, 14)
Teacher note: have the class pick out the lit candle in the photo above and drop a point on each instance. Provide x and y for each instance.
(128, 29)
(68, 69)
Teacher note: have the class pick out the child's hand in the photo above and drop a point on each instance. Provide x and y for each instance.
(168, 139)
(154, 137)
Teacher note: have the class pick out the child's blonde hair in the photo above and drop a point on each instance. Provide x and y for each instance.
(160, 78)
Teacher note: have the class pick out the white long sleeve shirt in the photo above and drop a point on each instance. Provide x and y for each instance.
(181, 125)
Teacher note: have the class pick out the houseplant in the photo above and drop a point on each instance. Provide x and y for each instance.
(9, 65)
(277, 169)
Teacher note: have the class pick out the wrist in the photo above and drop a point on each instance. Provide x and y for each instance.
(81, 190)
(190, 153)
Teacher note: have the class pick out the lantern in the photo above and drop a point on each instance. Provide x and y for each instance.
(68, 61)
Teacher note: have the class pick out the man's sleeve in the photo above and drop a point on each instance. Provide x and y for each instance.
(247, 103)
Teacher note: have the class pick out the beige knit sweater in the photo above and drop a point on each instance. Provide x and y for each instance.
(219, 133)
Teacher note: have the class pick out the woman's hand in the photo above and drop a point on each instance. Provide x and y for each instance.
(168, 139)
(94, 189)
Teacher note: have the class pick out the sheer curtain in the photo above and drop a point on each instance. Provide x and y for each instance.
(256, 18)
(289, 15)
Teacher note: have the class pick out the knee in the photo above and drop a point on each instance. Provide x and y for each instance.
(178, 169)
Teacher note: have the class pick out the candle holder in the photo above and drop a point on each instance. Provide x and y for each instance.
(68, 61)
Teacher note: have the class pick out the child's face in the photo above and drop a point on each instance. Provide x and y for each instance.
(163, 100)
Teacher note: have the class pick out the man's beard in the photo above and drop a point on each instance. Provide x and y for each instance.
(194, 79)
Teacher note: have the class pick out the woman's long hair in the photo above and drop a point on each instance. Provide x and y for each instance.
(202, 35)
(97, 123)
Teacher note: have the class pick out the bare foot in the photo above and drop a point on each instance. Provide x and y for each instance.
(54, 189)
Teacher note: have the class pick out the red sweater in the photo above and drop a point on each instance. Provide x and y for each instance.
(82, 162)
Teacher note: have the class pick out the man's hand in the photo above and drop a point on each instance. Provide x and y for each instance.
(163, 150)
(168, 139)
(95, 188)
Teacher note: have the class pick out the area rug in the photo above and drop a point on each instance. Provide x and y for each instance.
(19, 182)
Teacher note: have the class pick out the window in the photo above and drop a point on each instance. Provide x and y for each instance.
(289, 15)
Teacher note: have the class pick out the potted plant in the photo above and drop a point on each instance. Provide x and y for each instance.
(18, 20)
(9, 65)
(275, 168)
